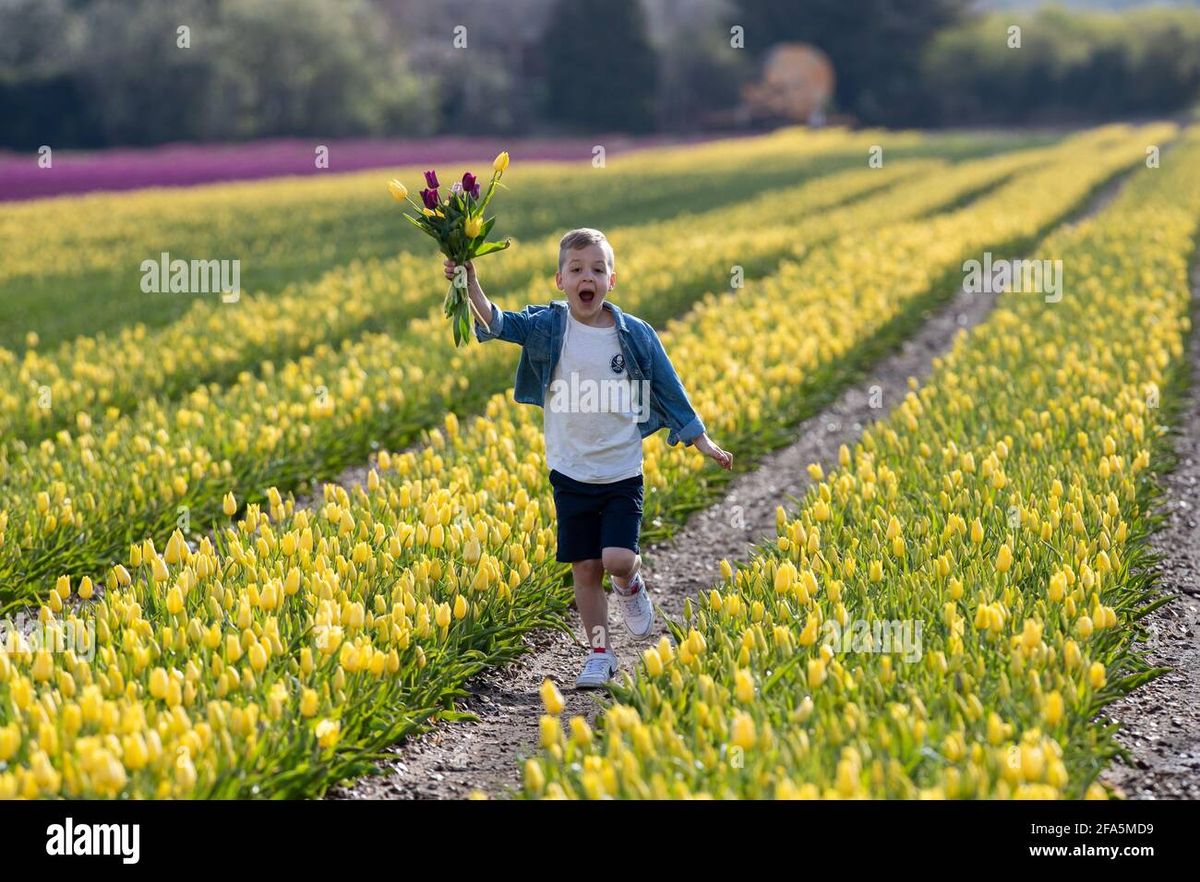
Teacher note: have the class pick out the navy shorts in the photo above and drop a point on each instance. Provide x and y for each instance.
(592, 517)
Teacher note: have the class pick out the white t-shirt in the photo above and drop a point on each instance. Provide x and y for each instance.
(590, 411)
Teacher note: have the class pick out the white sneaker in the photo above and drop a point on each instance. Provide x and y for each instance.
(597, 670)
(636, 609)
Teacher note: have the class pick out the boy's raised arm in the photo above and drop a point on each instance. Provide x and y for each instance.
(501, 324)
(479, 301)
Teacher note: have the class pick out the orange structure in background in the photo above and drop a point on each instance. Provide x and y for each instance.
(797, 84)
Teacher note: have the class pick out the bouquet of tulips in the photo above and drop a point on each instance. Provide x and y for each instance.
(458, 225)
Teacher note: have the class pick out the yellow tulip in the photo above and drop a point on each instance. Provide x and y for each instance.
(534, 779)
(785, 577)
(327, 732)
(473, 227)
(501, 162)
(816, 672)
(654, 662)
(808, 636)
(159, 569)
(309, 702)
(398, 190)
(1033, 762)
(43, 666)
(1004, 559)
(581, 732)
(550, 730)
(1031, 635)
(185, 772)
(744, 734)
(1072, 657)
(258, 657)
(442, 616)
(744, 686)
(158, 683)
(229, 505)
(552, 699)
(1053, 710)
(893, 528)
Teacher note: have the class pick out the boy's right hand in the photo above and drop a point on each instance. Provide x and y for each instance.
(451, 269)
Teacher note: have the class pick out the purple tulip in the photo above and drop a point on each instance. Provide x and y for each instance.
(471, 184)
(430, 198)
(431, 179)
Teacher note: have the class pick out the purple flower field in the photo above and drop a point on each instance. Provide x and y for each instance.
(182, 165)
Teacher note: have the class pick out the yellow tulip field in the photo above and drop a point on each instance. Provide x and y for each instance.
(1004, 505)
(205, 632)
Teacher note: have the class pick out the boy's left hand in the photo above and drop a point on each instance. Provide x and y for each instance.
(723, 457)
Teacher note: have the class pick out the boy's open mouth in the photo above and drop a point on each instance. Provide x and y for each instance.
(587, 296)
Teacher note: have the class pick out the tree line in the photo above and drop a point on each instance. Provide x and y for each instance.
(95, 73)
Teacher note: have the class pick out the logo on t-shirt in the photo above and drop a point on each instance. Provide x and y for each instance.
(618, 363)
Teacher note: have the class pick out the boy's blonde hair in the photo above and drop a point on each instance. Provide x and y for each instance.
(582, 238)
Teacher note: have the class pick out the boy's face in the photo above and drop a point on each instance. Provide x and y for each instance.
(586, 279)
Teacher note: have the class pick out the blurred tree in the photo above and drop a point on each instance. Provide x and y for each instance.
(700, 73)
(479, 82)
(145, 88)
(40, 38)
(40, 98)
(601, 71)
(97, 72)
(296, 67)
(1071, 67)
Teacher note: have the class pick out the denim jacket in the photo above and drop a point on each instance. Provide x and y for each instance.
(539, 331)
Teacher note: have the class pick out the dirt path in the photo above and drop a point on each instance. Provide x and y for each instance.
(1160, 721)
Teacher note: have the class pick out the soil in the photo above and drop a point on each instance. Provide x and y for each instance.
(1160, 720)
